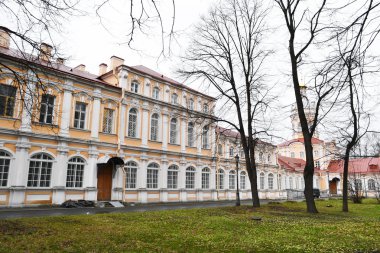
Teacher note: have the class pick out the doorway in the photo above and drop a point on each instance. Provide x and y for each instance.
(333, 185)
(104, 181)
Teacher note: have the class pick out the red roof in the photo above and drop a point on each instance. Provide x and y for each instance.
(293, 164)
(359, 165)
(313, 141)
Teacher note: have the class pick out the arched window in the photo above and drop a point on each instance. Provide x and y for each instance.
(262, 180)
(279, 182)
(290, 183)
(173, 131)
(220, 179)
(242, 180)
(190, 134)
(371, 185)
(130, 175)
(135, 87)
(132, 123)
(190, 178)
(173, 177)
(156, 93)
(231, 180)
(5, 161)
(40, 170)
(154, 127)
(205, 138)
(152, 176)
(205, 178)
(75, 170)
(270, 181)
(174, 99)
(205, 108)
(191, 104)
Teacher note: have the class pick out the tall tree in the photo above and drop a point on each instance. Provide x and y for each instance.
(227, 54)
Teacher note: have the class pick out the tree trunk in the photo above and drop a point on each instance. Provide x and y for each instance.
(345, 180)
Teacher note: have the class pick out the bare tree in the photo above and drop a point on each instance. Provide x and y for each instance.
(227, 55)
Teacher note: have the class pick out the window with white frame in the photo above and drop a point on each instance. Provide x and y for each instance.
(190, 178)
(190, 134)
(242, 180)
(262, 180)
(205, 108)
(290, 183)
(154, 127)
(5, 161)
(135, 87)
(205, 138)
(108, 121)
(279, 182)
(7, 100)
(173, 131)
(302, 154)
(156, 93)
(172, 177)
(132, 123)
(80, 115)
(231, 151)
(152, 176)
(231, 180)
(270, 181)
(130, 175)
(302, 183)
(174, 99)
(205, 178)
(220, 179)
(47, 109)
(75, 170)
(191, 104)
(371, 184)
(40, 167)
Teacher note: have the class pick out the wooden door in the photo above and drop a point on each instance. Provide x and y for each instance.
(332, 186)
(104, 182)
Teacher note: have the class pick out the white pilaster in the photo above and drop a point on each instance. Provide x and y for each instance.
(66, 109)
(96, 114)
(59, 174)
(165, 128)
(147, 88)
(166, 93)
(162, 182)
(91, 170)
(122, 123)
(213, 139)
(183, 133)
(199, 138)
(27, 107)
(145, 124)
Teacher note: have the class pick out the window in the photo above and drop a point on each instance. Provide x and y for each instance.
(220, 179)
(371, 184)
(279, 182)
(190, 178)
(156, 93)
(302, 183)
(270, 181)
(80, 115)
(290, 183)
(231, 180)
(152, 176)
(46, 110)
(262, 180)
(130, 175)
(316, 153)
(292, 155)
(135, 87)
(173, 131)
(190, 134)
(40, 170)
(205, 142)
(174, 99)
(172, 177)
(154, 127)
(205, 178)
(108, 121)
(297, 186)
(269, 158)
(132, 123)
(317, 183)
(7, 100)
(231, 152)
(205, 108)
(220, 149)
(5, 160)
(261, 157)
(191, 104)
(302, 154)
(242, 180)
(75, 171)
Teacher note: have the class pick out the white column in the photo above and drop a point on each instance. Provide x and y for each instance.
(163, 184)
(59, 173)
(122, 123)
(141, 173)
(96, 114)
(199, 138)
(183, 133)
(145, 124)
(213, 139)
(198, 177)
(90, 176)
(182, 174)
(66, 109)
(165, 128)
(27, 109)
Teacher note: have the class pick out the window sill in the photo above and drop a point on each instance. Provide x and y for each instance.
(8, 118)
(191, 147)
(81, 130)
(133, 138)
(111, 134)
(45, 124)
(174, 144)
(160, 142)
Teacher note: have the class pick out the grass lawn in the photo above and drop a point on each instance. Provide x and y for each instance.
(284, 228)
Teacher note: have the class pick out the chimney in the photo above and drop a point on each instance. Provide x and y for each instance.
(60, 60)
(116, 62)
(81, 67)
(102, 68)
(4, 38)
(45, 52)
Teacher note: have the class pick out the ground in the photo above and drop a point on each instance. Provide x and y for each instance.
(284, 227)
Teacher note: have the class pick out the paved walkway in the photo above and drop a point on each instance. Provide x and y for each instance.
(7, 213)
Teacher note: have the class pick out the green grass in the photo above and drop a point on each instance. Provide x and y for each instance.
(284, 228)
